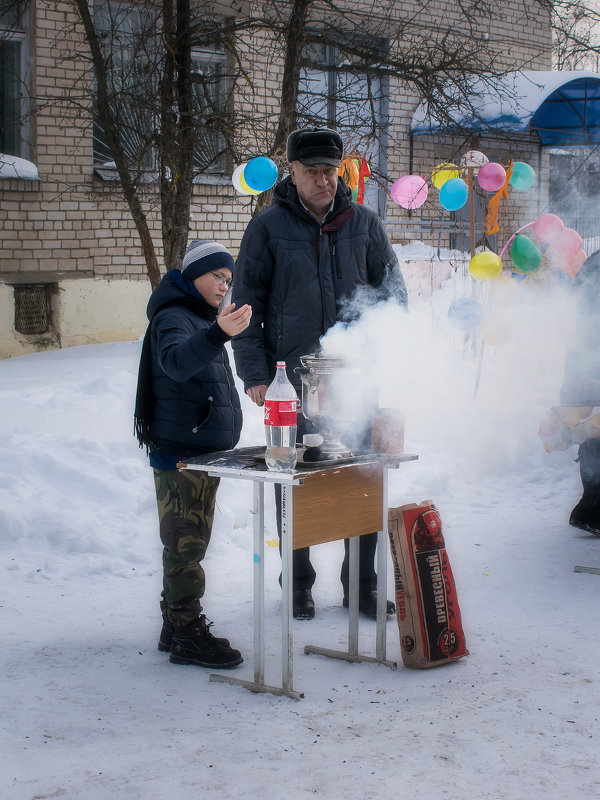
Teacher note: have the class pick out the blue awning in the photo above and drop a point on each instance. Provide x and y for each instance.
(563, 108)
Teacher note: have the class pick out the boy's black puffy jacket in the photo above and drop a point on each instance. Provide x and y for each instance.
(296, 275)
(197, 407)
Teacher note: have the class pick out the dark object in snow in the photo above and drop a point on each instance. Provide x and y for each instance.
(195, 644)
(304, 605)
(166, 637)
(586, 514)
(367, 604)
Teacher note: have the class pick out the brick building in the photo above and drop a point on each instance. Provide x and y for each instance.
(71, 266)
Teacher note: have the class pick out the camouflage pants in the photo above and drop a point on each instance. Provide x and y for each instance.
(186, 508)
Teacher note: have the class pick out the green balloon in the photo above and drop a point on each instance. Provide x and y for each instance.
(525, 254)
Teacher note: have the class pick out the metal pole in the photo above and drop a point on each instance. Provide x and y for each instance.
(382, 548)
(259, 582)
(286, 586)
(353, 550)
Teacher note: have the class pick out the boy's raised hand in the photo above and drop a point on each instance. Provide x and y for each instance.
(234, 322)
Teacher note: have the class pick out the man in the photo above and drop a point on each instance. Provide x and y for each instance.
(299, 261)
(581, 390)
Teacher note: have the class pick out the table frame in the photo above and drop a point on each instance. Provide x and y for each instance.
(220, 465)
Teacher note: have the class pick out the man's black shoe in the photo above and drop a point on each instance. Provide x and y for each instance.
(367, 604)
(195, 644)
(166, 637)
(304, 605)
(586, 518)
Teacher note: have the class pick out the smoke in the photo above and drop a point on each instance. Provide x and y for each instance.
(482, 393)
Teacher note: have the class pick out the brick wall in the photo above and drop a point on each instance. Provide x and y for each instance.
(72, 225)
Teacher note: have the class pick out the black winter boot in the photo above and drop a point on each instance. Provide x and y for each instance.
(166, 637)
(586, 514)
(195, 644)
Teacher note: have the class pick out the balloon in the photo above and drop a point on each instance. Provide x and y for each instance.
(444, 172)
(465, 313)
(473, 158)
(239, 182)
(523, 176)
(573, 265)
(491, 176)
(504, 291)
(566, 245)
(454, 194)
(496, 329)
(409, 191)
(485, 265)
(547, 228)
(525, 254)
(260, 173)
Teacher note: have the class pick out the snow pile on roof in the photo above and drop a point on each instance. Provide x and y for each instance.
(507, 103)
(15, 167)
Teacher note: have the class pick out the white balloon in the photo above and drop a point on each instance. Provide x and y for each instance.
(236, 179)
(473, 158)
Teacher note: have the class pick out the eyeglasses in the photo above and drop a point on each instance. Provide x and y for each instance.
(222, 280)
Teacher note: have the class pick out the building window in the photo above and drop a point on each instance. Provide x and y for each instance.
(33, 308)
(13, 82)
(127, 36)
(210, 91)
(130, 38)
(339, 88)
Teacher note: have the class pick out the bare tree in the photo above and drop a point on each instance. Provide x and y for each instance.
(163, 116)
(576, 34)
(154, 110)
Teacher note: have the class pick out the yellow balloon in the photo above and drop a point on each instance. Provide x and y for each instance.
(485, 266)
(246, 188)
(443, 172)
(239, 183)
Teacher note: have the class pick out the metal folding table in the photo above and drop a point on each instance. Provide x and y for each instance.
(310, 515)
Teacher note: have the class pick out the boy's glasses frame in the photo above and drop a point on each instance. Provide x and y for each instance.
(222, 280)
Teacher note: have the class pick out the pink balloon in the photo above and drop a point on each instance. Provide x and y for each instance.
(571, 266)
(409, 191)
(567, 245)
(492, 176)
(547, 228)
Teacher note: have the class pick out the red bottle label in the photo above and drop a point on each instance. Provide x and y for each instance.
(280, 412)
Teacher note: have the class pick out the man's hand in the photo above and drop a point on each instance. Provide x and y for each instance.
(234, 322)
(257, 394)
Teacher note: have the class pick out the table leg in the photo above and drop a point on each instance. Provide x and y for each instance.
(286, 587)
(259, 685)
(353, 552)
(352, 653)
(382, 549)
(259, 582)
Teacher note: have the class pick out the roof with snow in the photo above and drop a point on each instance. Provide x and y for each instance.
(563, 108)
(14, 167)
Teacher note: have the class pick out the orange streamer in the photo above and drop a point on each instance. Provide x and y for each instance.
(491, 218)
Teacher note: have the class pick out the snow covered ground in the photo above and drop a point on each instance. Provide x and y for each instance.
(91, 710)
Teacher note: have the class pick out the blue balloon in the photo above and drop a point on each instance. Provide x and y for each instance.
(260, 173)
(454, 194)
(466, 313)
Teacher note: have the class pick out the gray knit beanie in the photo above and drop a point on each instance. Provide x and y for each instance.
(203, 256)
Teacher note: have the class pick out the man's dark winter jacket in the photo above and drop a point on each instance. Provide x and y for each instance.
(197, 408)
(298, 276)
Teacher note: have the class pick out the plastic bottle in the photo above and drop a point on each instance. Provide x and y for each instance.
(281, 406)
